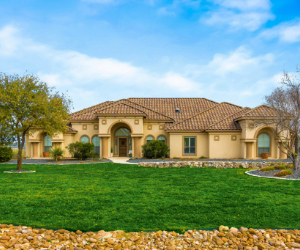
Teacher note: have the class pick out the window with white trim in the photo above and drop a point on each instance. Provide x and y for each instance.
(189, 145)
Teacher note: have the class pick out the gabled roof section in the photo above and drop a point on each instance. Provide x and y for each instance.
(166, 106)
(204, 119)
(260, 111)
(88, 113)
(228, 122)
(126, 107)
(120, 108)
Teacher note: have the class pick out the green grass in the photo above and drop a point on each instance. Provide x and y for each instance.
(126, 197)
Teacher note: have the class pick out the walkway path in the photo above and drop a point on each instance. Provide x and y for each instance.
(122, 160)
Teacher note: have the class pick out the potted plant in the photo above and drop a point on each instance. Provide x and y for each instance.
(46, 154)
(265, 155)
(111, 152)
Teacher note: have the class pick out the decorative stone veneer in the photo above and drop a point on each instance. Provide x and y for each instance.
(215, 164)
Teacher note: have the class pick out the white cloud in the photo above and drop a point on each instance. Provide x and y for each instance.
(286, 32)
(8, 40)
(179, 83)
(238, 60)
(247, 14)
(245, 20)
(85, 76)
(245, 4)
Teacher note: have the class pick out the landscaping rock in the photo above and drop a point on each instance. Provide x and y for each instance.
(224, 238)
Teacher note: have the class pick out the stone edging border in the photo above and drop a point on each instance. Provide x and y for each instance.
(270, 177)
(14, 172)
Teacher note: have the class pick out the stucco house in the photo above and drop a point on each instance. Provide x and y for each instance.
(192, 127)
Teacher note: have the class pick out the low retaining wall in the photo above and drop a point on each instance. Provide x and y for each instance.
(215, 164)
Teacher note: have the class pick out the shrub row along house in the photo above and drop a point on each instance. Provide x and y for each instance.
(192, 127)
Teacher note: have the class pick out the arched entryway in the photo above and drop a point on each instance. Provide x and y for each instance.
(121, 141)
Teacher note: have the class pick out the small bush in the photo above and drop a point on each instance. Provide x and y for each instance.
(283, 173)
(80, 150)
(56, 153)
(280, 167)
(6, 153)
(155, 149)
(267, 169)
(202, 157)
(96, 157)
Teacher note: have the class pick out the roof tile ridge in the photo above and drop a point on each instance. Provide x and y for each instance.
(190, 117)
(231, 104)
(79, 111)
(149, 109)
(122, 101)
(223, 119)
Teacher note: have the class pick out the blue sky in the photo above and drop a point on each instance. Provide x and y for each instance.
(98, 50)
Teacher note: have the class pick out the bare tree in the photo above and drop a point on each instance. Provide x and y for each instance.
(286, 123)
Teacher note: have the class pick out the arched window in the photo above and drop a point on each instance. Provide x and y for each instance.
(122, 132)
(96, 142)
(47, 143)
(84, 139)
(263, 141)
(149, 138)
(162, 138)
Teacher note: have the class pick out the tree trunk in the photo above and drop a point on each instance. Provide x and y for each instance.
(21, 142)
(296, 158)
(19, 166)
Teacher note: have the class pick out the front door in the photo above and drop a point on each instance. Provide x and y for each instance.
(123, 147)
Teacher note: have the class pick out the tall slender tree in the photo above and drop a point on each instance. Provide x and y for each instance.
(27, 104)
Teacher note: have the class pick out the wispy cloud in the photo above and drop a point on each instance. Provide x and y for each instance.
(8, 40)
(84, 75)
(248, 14)
(286, 32)
(238, 61)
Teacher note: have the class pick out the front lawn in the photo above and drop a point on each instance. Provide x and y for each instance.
(111, 196)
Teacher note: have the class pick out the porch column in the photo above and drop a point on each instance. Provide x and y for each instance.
(137, 147)
(104, 146)
(249, 147)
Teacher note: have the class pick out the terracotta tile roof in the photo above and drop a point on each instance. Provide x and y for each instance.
(260, 111)
(228, 122)
(125, 106)
(120, 108)
(167, 106)
(204, 119)
(88, 113)
(195, 114)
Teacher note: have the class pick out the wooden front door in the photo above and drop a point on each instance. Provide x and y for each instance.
(123, 147)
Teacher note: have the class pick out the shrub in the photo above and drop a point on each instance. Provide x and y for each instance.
(96, 157)
(202, 157)
(280, 167)
(283, 173)
(56, 153)
(267, 169)
(155, 149)
(6, 153)
(80, 150)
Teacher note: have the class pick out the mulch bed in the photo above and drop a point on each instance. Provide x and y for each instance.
(270, 174)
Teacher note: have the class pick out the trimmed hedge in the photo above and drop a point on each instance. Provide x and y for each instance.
(6, 153)
(155, 149)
